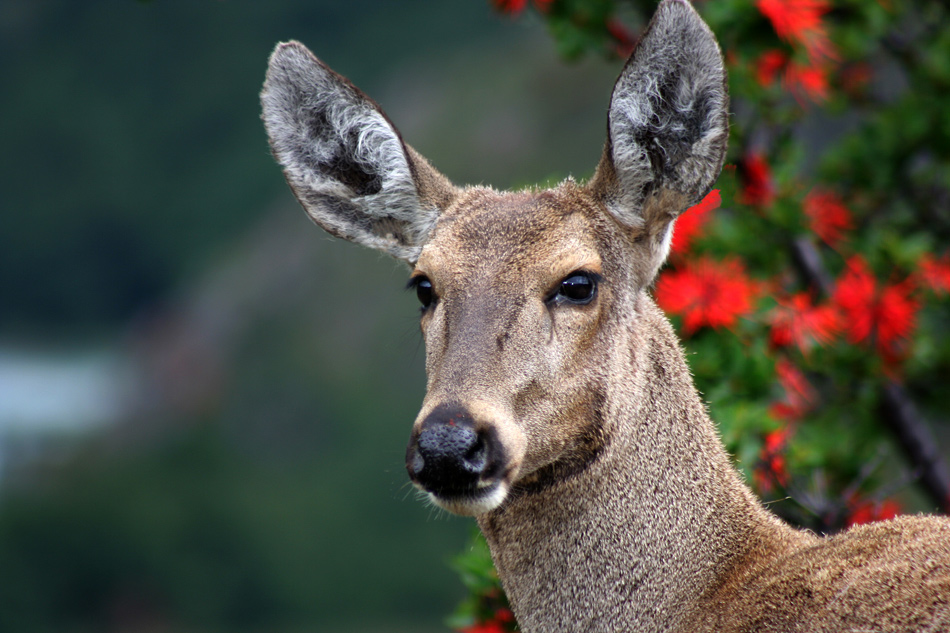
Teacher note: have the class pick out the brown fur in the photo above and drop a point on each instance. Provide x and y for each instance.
(602, 485)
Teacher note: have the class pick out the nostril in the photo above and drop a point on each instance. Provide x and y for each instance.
(476, 457)
(416, 463)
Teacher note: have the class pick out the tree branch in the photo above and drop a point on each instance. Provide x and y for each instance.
(917, 442)
(808, 261)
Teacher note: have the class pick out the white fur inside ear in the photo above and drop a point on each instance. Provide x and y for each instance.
(343, 158)
(668, 118)
(665, 245)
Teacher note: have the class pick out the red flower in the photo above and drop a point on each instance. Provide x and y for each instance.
(772, 466)
(802, 80)
(691, 221)
(502, 622)
(776, 440)
(796, 321)
(827, 215)
(868, 512)
(856, 295)
(504, 615)
(885, 315)
(757, 187)
(793, 19)
(707, 293)
(491, 626)
(768, 66)
(800, 396)
(809, 82)
(935, 273)
(799, 22)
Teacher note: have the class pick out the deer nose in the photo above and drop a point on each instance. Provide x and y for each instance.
(449, 456)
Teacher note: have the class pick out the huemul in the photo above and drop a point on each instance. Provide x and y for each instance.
(560, 410)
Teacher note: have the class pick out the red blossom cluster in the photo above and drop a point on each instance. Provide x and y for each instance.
(863, 511)
(772, 468)
(799, 23)
(798, 322)
(758, 190)
(502, 621)
(882, 315)
(805, 81)
(691, 222)
(828, 218)
(799, 399)
(934, 274)
(860, 308)
(707, 293)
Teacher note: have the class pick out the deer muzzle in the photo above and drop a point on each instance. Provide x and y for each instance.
(460, 460)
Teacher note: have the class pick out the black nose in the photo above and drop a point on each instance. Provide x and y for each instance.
(450, 456)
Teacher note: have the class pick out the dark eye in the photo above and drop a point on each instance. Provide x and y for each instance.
(423, 290)
(578, 288)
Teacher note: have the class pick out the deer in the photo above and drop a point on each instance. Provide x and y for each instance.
(560, 411)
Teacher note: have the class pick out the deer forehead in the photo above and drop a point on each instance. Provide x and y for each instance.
(535, 237)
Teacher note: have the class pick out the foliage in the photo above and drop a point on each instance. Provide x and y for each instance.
(812, 301)
(486, 609)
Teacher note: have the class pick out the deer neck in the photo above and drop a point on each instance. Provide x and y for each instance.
(655, 521)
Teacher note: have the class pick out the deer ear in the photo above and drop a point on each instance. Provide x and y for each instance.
(345, 161)
(667, 125)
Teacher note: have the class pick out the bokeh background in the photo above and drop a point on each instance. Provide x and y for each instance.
(204, 400)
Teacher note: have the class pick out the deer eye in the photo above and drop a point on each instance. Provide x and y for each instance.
(423, 289)
(578, 288)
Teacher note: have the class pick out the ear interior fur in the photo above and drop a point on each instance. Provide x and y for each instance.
(667, 126)
(344, 160)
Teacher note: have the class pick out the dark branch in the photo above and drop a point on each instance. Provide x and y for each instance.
(808, 261)
(918, 443)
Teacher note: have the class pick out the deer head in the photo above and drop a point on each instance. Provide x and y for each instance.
(530, 300)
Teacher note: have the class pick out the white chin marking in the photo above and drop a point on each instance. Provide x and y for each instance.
(485, 500)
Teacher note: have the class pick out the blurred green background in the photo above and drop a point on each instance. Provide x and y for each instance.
(204, 400)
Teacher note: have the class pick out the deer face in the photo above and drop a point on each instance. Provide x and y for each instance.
(526, 296)
(518, 294)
